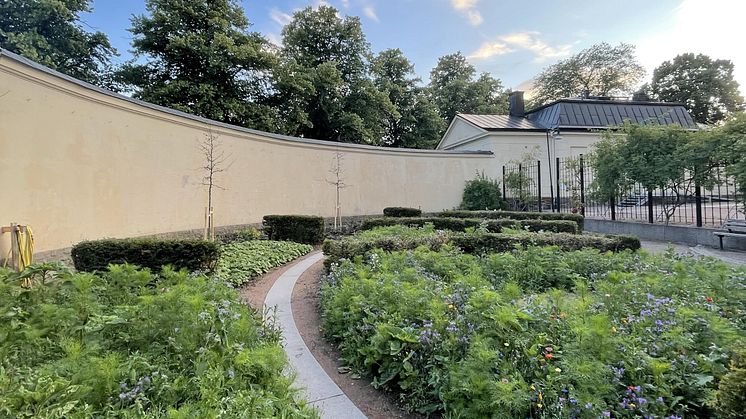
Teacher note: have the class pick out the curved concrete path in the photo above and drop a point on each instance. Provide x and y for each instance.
(320, 390)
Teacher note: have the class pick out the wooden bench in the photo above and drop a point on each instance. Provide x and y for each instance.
(734, 228)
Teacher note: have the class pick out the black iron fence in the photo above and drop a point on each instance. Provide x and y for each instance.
(567, 185)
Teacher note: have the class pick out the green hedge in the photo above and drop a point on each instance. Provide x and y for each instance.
(475, 243)
(453, 224)
(516, 215)
(297, 228)
(402, 212)
(478, 243)
(97, 255)
(461, 224)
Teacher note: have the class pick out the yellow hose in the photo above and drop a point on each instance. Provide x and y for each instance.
(26, 249)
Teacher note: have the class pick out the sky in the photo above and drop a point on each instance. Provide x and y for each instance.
(512, 40)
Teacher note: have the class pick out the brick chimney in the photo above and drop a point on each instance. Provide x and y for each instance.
(516, 105)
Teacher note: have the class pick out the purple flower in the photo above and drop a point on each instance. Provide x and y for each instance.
(606, 414)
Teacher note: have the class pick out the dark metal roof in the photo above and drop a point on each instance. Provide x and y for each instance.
(502, 122)
(594, 113)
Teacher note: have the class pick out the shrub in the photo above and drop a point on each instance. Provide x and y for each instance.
(241, 261)
(297, 228)
(482, 193)
(97, 255)
(516, 215)
(129, 343)
(731, 396)
(478, 243)
(440, 223)
(402, 212)
(241, 235)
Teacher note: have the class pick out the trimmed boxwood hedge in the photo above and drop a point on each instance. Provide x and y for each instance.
(97, 255)
(461, 224)
(476, 243)
(515, 215)
(307, 229)
(402, 212)
(453, 224)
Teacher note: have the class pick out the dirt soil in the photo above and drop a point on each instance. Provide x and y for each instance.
(305, 301)
(255, 291)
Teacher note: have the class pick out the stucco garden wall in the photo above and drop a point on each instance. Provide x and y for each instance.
(80, 163)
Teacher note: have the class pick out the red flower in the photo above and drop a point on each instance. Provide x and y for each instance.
(548, 356)
(708, 299)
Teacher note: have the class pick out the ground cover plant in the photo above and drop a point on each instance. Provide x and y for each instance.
(543, 333)
(131, 343)
(241, 261)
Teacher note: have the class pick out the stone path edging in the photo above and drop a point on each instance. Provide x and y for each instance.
(320, 390)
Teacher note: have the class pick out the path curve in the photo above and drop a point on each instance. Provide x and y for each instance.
(319, 388)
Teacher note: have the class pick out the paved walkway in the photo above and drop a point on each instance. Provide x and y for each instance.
(319, 389)
(724, 255)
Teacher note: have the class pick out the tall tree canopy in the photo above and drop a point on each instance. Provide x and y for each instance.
(416, 122)
(49, 32)
(601, 70)
(456, 88)
(201, 58)
(333, 54)
(705, 86)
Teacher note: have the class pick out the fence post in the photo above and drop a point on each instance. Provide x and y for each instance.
(520, 184)
(538, 178)
(558, 186)
(504, 197)
(650, 206)
(612, 204)
(582, 187)
(698, 203)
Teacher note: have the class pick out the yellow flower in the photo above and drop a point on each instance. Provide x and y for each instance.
(541, 397)
(532, 387)
(539, 405)
(450, 306)
(613, 329)
(506, 344)
(557, 370)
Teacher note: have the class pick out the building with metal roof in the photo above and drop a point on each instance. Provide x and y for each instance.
(563, 128)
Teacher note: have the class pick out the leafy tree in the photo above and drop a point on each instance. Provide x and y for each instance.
(669, 158)
(705, 86)
(333, 54)
(201, 59)
(601, 70)
(455, 88)
(415, 122)
(49, 32)
(731, 149)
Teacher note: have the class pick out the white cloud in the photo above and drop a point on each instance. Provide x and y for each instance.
(370, 12)
(346, 4)
(528, 41)
(469, 8)
(714, 28)
(280, 17)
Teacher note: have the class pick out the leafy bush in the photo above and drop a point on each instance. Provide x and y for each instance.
(731, 398)
(516, 215)
(477, 242)
(241, 235)
(462, 224)
(494, 242)
(440, 223)
(482, 193)
(639, 335)
(297, 228)
(241, 261)
(193, 255)
(401, 212)
(129, 343)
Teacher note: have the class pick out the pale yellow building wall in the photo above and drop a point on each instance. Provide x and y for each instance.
(76, 163)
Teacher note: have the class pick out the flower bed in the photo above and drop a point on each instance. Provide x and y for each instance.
(129, 343)
(543, 333)
(241, 261)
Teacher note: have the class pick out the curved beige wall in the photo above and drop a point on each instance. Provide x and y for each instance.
(80, 163)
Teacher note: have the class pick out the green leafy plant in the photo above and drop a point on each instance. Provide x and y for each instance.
(482, 193)
(516, 215)
(130, 343)
(543, 333)
(242, 261)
